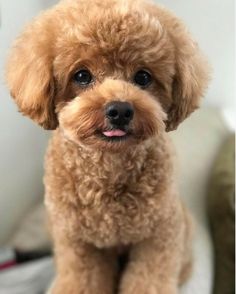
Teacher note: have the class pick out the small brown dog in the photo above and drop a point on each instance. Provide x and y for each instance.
(111, 77)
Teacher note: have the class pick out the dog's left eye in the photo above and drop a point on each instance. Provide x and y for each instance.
(83, 77)
(143, 78)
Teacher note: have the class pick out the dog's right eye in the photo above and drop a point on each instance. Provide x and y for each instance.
(83, 77)
(143, 78)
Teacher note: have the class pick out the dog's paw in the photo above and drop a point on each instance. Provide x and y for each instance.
(138, 288)
(75, 286)
(60, 286)
(146, 287)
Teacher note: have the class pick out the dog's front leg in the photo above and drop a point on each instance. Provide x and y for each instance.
(83, 269)
(153, 268)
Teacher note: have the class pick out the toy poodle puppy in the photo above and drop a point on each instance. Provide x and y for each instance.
(111, 78)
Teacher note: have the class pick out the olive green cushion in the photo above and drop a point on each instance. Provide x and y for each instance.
(221, 208)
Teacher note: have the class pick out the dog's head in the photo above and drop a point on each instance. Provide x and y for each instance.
(109, 73)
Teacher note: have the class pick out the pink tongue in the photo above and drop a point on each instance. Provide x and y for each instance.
(114, 133)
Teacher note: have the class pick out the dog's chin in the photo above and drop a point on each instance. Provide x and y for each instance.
(109, 138)
(102, 142)
(110, 141)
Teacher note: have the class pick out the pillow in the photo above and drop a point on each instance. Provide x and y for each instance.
(221, 207)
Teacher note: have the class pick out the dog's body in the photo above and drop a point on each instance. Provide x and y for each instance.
(103, 203)
(114, 76)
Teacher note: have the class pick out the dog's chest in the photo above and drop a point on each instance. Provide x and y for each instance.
(117, 205)
(113, 199)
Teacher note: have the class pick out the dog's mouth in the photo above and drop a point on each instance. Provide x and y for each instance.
(114, 135)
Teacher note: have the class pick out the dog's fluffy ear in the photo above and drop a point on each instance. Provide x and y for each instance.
(29, 73)
(192, 72)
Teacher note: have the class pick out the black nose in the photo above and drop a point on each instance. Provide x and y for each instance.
(119, 113)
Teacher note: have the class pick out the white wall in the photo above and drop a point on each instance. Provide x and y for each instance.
(212, 22)
(22, 144)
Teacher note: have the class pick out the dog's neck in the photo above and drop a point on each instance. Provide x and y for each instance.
(134, 157)
(93, 169)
